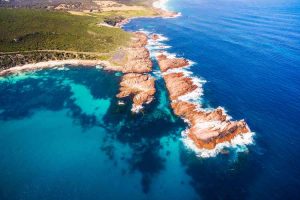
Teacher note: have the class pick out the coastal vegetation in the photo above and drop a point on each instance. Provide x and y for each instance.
(31, 29)
(34, 35)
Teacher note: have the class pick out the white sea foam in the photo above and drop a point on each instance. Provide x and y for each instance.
(157, 74)
(144, 31)
(136, 108)
(161, 38)
(161, 4)
(194, 96)
(238, 143)
(61, 68)
(157, 48)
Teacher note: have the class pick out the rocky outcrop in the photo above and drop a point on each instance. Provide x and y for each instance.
(134, 59)
(155, 37)
(139, 40)
(135, 83)
(166, 63)
(206, 128)
(139, 86)
(178, 85)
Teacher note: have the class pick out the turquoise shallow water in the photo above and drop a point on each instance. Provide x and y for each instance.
(63, 136)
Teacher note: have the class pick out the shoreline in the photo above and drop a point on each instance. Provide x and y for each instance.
(160, 7)
(209, 131)
(136, 83)
(52, 64)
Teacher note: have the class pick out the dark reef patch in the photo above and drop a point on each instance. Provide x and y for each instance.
(142, 132)
(211, 181)
(51, 90)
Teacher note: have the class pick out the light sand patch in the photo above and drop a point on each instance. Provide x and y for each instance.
(113, 6)
(78, 13)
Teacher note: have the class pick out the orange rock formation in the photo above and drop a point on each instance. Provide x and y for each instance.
(155, 37)
(140, 86)
(166, 63)
(134, 59)
(178, 85)
(206, 128)
(135, 83)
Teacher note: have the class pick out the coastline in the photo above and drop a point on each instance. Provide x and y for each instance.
(135, 67)
(162, 12)
(208, 132)
(51, 64)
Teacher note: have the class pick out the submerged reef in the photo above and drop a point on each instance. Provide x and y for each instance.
(207, 128)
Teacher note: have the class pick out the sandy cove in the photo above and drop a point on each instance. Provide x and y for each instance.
(52, 64)
(206, 128)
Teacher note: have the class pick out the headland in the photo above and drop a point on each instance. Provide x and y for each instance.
(127, 53)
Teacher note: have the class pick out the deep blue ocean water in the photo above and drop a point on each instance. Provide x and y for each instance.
(63, 136)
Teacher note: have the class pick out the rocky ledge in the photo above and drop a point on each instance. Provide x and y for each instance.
(139, 86)
(134, 63)
(135, 58)
(178, 85)
(206, 128)
(166, 63)
(155, 37)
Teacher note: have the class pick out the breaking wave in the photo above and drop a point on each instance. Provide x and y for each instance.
(238, 143)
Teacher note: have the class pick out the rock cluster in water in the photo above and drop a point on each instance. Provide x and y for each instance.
(171, 63)
(140, 86)
(135, 82)
(206, 128)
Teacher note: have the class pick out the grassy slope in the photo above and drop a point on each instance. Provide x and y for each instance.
(127, 14)
(41, 29)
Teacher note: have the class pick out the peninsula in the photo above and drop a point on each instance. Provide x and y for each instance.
(90, 35)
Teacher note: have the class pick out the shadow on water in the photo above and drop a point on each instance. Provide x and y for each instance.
(225, 176)
(52, 90)
(142, 132)
(22, 94)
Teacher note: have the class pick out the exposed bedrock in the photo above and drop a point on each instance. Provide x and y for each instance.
(178, 85)
(135, 58)
(166, 63)
(140, 87)
(155, 37)
(206, 128)
(135, 83)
